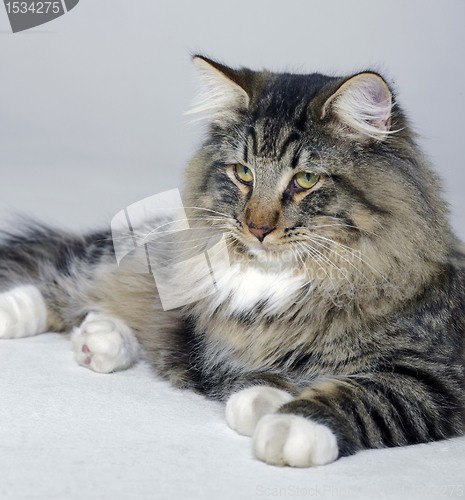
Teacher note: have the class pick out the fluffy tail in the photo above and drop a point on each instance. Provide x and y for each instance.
(46, 274)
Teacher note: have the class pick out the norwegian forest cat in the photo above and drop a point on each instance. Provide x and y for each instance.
(339, 325)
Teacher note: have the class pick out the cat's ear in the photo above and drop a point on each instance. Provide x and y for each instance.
(360, 108)
(224, 89)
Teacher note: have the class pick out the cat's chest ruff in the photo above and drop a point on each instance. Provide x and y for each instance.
(268, 288)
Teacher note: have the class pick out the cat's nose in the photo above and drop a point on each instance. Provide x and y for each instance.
(260, 232)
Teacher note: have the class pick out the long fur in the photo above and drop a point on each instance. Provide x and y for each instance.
(352, 303)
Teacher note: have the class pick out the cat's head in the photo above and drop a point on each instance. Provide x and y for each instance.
(324, 168)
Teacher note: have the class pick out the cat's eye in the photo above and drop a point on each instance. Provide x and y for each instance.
(243, 173)
(306, 180)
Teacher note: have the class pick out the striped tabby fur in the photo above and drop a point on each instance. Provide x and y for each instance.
(347, 297)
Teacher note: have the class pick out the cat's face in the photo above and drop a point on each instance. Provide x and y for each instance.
(289, 197)
(317, 168)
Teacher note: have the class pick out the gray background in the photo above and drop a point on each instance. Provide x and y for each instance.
(91, 104)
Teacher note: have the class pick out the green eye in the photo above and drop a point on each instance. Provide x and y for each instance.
(243, 173)
(306, 180)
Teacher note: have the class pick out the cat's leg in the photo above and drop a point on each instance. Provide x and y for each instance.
(23, 312)
(338, 417)
(294, 440)
(310, 430)
(104, 343)
(245, 408)
(69, 280)
(256, 395)
(278, 439)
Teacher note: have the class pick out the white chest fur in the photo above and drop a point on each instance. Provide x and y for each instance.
(244, 287)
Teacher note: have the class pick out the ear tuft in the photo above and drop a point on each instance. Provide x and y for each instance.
(361, 108)
(221, 93)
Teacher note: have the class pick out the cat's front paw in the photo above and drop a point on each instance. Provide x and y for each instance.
(104, 344)
(22, 312)
(281, 439)
(245, 408)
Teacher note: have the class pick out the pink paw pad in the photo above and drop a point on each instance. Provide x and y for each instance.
(87, 361)
(85, 348)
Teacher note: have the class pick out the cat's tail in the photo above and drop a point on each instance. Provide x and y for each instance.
(45, 275)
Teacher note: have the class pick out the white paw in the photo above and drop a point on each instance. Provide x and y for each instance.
(104, 344)
(245, 408)
(294, 440)
(22, 312)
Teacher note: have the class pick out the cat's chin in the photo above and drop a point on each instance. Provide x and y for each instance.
(266, 253)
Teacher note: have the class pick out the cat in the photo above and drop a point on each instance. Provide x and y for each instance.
(339, 322)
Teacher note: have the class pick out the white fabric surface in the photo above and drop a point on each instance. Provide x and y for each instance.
(69, 433)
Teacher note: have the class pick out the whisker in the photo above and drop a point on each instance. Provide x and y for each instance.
(169, 233)
(331, 295)
(352, 252)
(328, 261)
(343, 258)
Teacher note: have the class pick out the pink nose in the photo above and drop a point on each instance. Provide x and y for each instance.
(260, 232)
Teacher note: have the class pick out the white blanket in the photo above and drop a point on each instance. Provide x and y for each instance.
(68, 433)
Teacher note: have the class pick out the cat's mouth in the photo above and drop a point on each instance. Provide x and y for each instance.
(271, 249)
